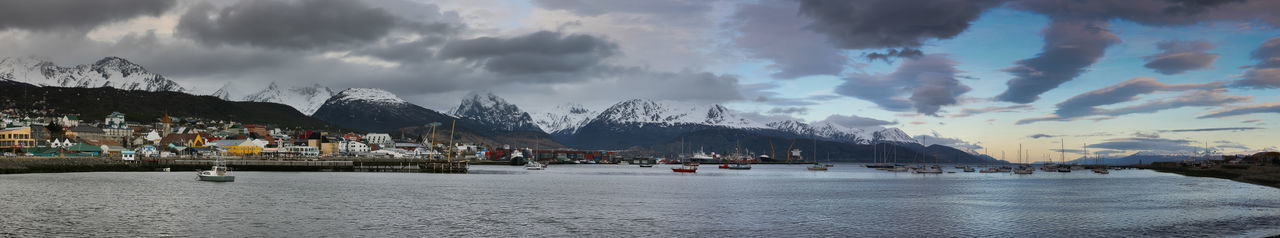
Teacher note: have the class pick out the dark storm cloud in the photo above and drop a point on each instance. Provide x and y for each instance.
(876, 24)
(1146, 144)
(1244, 110)
(771, 30)
(305, 24)
(895, 53)
(1070, 47)
(41, 15)
(854, 121)
(930, 81)
(538, 52)
(598, 7)
(1088, 104)
(1177, 57)
(1265, 74)
(1214, 129)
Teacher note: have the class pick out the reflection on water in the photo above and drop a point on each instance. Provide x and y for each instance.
(609, 200)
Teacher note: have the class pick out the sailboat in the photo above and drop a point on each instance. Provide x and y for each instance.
(1022, 169)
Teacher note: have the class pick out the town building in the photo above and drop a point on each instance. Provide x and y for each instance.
(14, 139)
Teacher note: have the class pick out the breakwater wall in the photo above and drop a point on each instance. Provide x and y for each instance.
(9, 165)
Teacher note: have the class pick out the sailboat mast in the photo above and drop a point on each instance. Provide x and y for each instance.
(1063, 149)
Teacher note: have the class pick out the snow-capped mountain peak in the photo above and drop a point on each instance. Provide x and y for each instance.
(223, 93)
(565, 119)
(649, 111)
(892, 135)
(494, 112)
(112, 72)
(823, 129)
(305, 99)
(371, 95)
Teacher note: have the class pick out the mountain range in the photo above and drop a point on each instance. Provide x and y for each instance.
(636, 124)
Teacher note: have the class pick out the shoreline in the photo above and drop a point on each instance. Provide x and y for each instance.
(1258, 175)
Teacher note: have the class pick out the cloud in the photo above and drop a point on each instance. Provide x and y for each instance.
(1077, 36)
(1265, 74)
(1147, 144)
(876, 24)
(1177, 57)
(789, 110)
(75, 15)
(1151, 135)
(965, 112)
(938, 139)
(1244, 110)
(773, 31)
(1107, 152)
(538, 52)
(930, 80)
(1088, 104)
(853, 121)
(1214, 129)
(895, 53)
(1069, 48)
(1252, 121)
(918, 122)
(596, 8)
(306, 24)
(1038, 136)
(1073, 151)
(1224, 144)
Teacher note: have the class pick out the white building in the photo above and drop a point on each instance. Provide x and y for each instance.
(380, 139)
(351, 147)
(302, 150)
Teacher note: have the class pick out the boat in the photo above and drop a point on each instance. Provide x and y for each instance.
(685, 169)
(1101, 171)
(723, 166)
(217, 174)
(1024, 170)
(930, 170)
(624, 163)
(740, 166)
(989, 170)
(534, 165)
(817, 167)
(961, 167)
(968, 169)
(898, 169)
(1004, 169)
(829, 165)
(692, 164)
(1064, 169)
(646, 165)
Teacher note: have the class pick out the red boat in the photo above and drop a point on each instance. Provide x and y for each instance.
(685, 169)
(724, 166)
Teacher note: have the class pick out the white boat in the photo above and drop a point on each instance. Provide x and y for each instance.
(624, 163)
(817, 167)
(898, 169)
(217, 174)
(534, 165)
(1024, 170)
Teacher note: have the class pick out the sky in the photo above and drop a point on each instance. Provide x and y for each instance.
(1109, 77)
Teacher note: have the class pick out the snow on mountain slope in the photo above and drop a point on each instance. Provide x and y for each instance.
(306, 99)
(892, 135)
(493, 112)
(223, 93)
(823, 129)
(108, 72)
(638, 111)
(565, 119)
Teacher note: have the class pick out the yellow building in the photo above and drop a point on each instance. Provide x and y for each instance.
(246, 148)
(12, 139)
